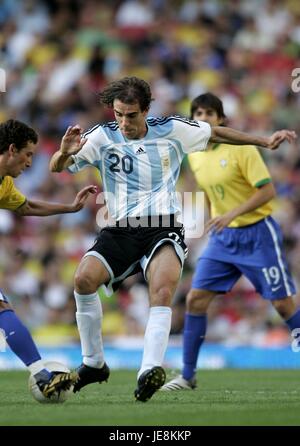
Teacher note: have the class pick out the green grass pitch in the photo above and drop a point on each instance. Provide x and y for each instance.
(223, 397)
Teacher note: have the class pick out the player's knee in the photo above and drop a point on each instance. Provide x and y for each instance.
(197, 301)
(284, 307)
(162, 296)
(84, 283)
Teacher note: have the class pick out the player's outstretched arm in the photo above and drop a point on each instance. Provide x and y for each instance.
(71, 143)
(43, 208)
(230, 136)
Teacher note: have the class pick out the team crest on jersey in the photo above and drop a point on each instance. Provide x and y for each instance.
(165, 161)
(139, 149)
(223, 163)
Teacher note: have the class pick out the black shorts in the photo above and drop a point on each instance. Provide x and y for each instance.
(128, 250)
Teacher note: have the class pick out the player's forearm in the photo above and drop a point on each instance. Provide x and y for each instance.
(207, 205)
(261, 197)
(43, 208)
(59, 162)
(230, 136)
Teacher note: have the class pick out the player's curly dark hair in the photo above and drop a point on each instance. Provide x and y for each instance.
(128, 90)
(17, 133)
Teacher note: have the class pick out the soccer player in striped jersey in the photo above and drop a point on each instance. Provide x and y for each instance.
(244, 238)
(139, 159)
(17, 146)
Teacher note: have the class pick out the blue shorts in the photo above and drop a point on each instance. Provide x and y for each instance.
(254, 251)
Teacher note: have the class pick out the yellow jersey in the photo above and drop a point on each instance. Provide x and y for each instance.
(230, 175)
(10, 197)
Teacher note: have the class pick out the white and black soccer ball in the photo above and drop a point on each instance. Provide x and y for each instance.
(57, 397)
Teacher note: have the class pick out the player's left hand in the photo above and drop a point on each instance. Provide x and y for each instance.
(82, 196)
(278, 137)
(218, 223)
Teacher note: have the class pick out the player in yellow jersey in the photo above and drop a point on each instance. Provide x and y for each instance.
(244, 238)
(18, 144)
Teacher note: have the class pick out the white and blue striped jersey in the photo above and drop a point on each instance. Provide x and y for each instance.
(139, 175)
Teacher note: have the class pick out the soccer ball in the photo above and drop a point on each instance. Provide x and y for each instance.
(57, 397)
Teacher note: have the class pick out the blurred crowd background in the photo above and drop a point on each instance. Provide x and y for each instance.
(58, 54)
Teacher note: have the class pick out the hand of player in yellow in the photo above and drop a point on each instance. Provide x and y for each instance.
(82, 196)
(219, 223)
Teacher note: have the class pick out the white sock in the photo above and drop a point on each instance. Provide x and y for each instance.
(36, 367)
(156, 337)
(89, 316)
